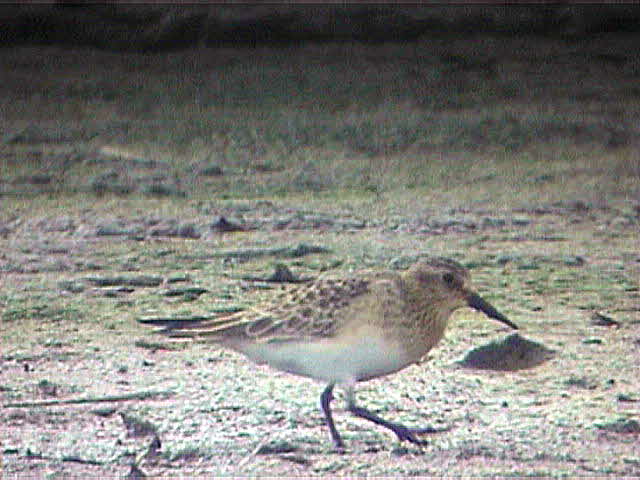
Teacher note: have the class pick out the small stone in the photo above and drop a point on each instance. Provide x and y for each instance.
(303, 249)
(144, 281)
(277, 446)
(104, 281)
(71, 286)
(520, 221)
(573, 260)
(580, 382)
(528, 266)
(282, 274)
(547, 177)
(506, 258)
(624, 397)
(162, 190)
(580, 206)
(600, 320)
(211, 170)
(112, 230)
(110, 182)
(139, 281)
(620, 425)
(186, 292)
(104, 411)
(178, 278)
(115, 292)
(493, 222)
(188, 230)
(38, 179)
(223, 225)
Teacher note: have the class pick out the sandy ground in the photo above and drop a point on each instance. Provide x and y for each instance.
(216, 413)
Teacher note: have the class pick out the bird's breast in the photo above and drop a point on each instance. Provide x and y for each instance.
(335, 360)
(423, 334)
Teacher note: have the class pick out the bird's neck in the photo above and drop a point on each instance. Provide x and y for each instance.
(428, 328)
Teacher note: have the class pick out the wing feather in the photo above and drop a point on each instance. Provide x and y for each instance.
(310, 310)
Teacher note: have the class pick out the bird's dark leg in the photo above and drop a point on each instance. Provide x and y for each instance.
(325, 402)
(403, 433)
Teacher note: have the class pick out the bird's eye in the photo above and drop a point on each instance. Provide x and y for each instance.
(449, 278)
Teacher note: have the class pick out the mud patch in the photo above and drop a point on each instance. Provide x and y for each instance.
(513, 352)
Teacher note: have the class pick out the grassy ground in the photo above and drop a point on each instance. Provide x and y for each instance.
(115, 171)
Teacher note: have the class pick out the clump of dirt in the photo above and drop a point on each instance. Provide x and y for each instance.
(513, 352)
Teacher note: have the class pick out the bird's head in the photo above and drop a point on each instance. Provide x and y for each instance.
(446, 281)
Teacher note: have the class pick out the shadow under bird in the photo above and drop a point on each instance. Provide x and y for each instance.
(347, 330)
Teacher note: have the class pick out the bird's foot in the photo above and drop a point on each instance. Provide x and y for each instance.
(411, 434)
(339, 447)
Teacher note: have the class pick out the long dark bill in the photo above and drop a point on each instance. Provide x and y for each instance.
(476, 301)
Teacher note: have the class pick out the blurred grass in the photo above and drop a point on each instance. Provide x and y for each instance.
(312, 118)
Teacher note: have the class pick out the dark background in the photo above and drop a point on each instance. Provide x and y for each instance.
(153, 27)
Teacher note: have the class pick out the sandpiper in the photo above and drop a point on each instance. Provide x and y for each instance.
(347, 330)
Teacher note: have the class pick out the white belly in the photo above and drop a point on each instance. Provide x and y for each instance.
(330, 360)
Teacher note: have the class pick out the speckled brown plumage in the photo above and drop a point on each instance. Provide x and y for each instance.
(308, 311)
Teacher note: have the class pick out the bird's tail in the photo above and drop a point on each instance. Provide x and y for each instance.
(203, 328)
